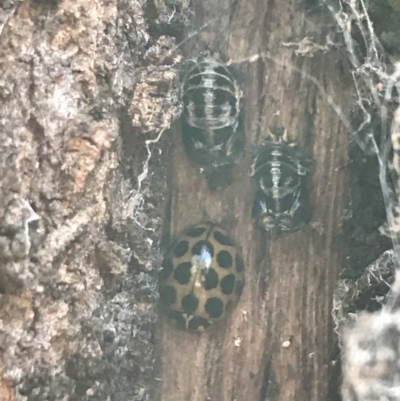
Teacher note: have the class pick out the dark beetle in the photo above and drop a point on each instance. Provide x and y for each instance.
(212, 121)
(280, 172)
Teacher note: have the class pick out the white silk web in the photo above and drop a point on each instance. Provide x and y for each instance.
(371, 343)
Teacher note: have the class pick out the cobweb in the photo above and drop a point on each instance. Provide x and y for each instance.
(370, 342)
(376, 78)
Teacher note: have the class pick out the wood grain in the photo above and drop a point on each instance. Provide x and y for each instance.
(287, 299)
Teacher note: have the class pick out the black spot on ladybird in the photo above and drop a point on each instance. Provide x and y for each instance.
(222, 238)
(168, 295)
(210, 278)
(196, 322)
(179, 319)
(214, 307)
(181, 248)
(190, 303)
(224, 259)
(199, 246)
(183, 273)
(228, 284)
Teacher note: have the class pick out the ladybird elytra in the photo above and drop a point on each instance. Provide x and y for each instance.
(280, 171)
(213, 119)
(202, 277)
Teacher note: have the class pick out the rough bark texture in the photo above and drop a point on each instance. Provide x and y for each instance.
(86, 88)
(83, 86)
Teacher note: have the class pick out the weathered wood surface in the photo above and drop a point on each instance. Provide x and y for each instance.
(77, 323)
(289, 282)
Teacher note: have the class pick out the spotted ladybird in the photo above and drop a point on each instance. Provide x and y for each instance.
(212, 121)
(280, 171)
(202, 277)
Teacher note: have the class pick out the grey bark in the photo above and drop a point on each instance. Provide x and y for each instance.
(86, 90)
(78, 241)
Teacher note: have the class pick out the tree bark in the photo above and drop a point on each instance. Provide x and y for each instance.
(87, 90)
(83, 86)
